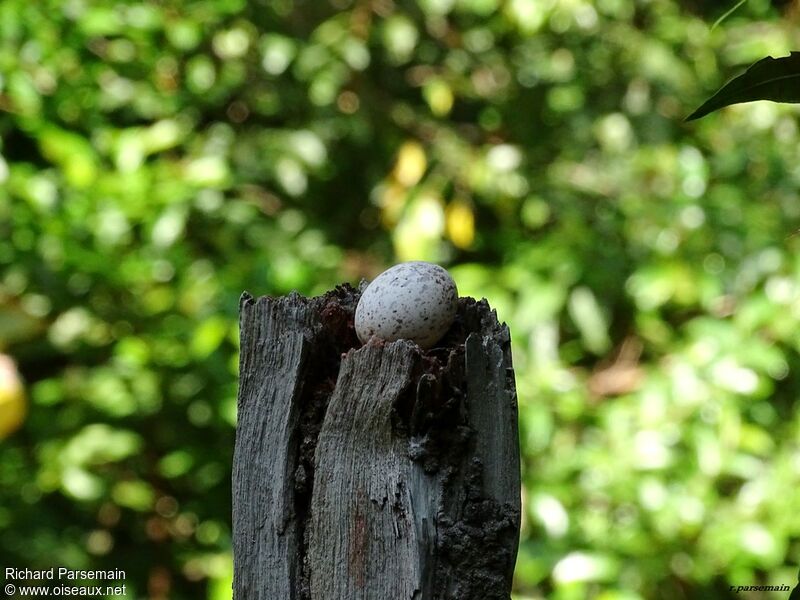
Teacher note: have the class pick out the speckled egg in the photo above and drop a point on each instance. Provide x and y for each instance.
(413, 301)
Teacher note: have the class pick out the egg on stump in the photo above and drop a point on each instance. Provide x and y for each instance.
(414, 301)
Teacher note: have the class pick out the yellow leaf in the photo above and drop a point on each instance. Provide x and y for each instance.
(439, 97)
(392, 200)
(12, 397)
(460, 222)
(411, 163)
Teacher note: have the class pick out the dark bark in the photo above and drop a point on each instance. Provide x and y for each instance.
(375, 472)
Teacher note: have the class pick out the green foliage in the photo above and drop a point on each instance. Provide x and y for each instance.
(158, 159)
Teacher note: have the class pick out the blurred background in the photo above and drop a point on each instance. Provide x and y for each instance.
(158, 158)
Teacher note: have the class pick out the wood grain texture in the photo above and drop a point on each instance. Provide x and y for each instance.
(373, 472)
(266, 544)
(362, 540)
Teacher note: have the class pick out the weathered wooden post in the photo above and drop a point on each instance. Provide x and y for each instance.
(375, 472)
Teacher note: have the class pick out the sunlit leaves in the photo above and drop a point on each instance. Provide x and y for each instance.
(155, 163)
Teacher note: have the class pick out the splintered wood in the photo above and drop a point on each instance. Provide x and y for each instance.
(375, 472)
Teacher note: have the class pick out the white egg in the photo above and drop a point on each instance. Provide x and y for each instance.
(413, 301)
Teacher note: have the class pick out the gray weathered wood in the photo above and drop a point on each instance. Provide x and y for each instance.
(362, 542)
(374, 472)
(266, 541)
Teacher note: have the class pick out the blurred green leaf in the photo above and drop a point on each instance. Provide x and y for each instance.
(588, 316)
(208, 335)
(136, 495)
(72, 153)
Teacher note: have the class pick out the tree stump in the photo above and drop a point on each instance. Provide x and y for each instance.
(375, 472)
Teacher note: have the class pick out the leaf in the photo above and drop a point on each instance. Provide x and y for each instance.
(775, 79)
(72, 152)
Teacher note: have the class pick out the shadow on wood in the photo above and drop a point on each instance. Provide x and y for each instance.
(376, 472)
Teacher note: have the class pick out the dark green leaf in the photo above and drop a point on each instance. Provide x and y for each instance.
(795, 595)
(776, 79)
